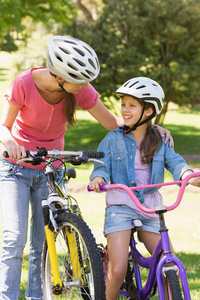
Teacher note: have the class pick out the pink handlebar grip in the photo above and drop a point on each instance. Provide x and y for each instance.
(102, 188)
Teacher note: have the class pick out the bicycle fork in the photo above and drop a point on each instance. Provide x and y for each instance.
(50, 237)
(168, 257)
(72, 244)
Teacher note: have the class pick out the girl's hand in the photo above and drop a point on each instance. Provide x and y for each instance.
(94, 184)
(165, 132)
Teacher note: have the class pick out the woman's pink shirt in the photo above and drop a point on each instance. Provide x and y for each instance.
(39, 124)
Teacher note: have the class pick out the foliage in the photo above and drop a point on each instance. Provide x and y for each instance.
(13, 14)
(155, 38)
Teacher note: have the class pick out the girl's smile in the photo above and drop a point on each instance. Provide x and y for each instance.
(131, 110)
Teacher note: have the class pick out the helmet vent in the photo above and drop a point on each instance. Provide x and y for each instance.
(59, 58)
(70, 42)
(72, 67)
(97, 62)
(133, 84)
(73, 76)
(79, 51)
(126, 83)
(79, 62)
(92, 64)
(147, 94)
(88, 50)
(90, 73)
(85, 75)
(140, 87)
(64, 50)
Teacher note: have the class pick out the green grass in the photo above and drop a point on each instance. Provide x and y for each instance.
(183, 222)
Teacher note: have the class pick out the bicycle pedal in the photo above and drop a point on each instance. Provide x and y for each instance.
(104, 257)
(57, 290)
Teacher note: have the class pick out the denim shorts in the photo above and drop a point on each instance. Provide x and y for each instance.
(120, 218)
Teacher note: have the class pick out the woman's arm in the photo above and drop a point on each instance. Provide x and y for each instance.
(105, 117)
(8, 117)
(167, 134)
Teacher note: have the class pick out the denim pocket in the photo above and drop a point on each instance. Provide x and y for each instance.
(6, 168)
(119, 162)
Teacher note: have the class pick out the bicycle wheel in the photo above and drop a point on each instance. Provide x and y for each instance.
(128, 287)
(91, 284)
(174, 285)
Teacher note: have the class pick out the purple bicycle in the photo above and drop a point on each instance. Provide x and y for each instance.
(175, 275)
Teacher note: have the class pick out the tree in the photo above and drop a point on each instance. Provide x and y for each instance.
(154, 38)
(13, 13)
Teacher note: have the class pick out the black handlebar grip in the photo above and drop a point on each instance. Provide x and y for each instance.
(92, 154)
(5, 154)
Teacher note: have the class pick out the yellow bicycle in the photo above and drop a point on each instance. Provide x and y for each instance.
(71, 263)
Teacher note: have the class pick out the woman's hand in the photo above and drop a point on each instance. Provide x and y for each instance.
(14, 151)
(193, 181)
(94, 184)
(165, 132)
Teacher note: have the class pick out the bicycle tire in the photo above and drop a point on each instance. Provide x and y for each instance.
(89, 258)
(128, 286)
(174, 285)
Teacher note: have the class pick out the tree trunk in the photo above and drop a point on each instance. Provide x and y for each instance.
(84, 10)
(160, 118)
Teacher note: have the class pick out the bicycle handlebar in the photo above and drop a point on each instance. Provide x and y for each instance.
(74, 157)
(105, 187)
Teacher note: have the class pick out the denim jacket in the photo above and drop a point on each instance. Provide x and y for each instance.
(120, 149)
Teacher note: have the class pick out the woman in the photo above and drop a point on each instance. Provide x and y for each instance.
(39, 104)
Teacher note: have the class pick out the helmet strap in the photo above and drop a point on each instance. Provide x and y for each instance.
(128, 129)
(61, 85)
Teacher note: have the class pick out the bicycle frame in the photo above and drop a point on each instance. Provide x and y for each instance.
(162, 254)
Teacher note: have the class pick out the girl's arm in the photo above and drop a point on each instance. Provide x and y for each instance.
(111, 122)
(8, 117)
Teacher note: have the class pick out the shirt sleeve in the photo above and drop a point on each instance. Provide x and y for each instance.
(175, 163)
(16, 93)
(87, 98)
(103, 170)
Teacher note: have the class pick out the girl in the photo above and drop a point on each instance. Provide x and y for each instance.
(135, 154)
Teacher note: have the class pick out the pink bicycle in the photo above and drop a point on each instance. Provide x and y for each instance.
(132, 287)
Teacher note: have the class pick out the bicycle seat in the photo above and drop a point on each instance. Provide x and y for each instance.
(136, 223)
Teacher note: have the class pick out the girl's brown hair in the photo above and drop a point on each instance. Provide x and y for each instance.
(151, 141)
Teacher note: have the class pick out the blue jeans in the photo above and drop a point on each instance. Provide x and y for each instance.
(19, 187)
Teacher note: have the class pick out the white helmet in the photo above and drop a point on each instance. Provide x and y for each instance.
(144, 89)
(73, 60)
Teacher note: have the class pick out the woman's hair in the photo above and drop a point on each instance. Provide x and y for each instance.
(70, 107)
(151, 141)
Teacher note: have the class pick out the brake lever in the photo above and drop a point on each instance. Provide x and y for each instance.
(96, 160)
(26, 159)
(32, 160)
